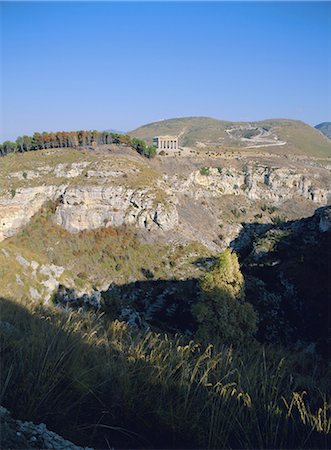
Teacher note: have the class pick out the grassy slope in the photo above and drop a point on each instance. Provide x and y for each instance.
(101, 383)
(44, 162)
(105, 385)
(301, 138)
(92, 258)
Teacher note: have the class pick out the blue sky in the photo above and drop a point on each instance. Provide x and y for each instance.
(89, 65)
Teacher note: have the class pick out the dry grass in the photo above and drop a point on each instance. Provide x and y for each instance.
(95, 381)
(92, 258)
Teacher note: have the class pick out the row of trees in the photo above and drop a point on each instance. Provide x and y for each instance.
(66, 139)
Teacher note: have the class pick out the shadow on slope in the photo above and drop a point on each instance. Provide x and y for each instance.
(102, 384)
(287, 272)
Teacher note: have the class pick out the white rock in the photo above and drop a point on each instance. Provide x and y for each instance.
(16, 211)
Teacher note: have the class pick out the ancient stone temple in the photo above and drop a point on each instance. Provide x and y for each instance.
(166, 142)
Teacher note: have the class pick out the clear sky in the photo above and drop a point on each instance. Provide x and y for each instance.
(89, 65)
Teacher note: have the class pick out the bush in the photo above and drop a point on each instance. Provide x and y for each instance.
(278, 220)
(146, 150)
(221, 312)
(204, 171)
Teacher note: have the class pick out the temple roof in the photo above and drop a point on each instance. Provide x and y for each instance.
(166, 137)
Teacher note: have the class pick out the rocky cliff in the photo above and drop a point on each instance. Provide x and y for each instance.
(82, 208)
(95, 194)
(257, 183)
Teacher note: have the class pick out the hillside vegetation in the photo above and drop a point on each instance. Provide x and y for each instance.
(128, 322)
(74, 139)
(277, 135)
(102, 383)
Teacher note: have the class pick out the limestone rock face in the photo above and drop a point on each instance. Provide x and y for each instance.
(17, 208)
(92, 207)
(106, 195)
(260, 183)
(76, 169)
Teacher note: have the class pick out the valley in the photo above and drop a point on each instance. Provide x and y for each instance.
(210, 257)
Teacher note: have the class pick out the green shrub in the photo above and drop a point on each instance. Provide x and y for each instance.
(221, 311)
(204, 171)
(278, 220)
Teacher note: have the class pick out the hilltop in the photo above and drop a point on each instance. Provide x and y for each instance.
(281, 136)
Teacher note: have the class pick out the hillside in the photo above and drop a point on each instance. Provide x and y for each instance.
(281, 136)
(106, 260)
(128, 216)
(325, 128)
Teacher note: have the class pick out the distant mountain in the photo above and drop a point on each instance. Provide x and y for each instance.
(282, 136)
(325, 128)
(111, 130)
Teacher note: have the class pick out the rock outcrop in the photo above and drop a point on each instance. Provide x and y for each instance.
(100, 195)
(92, 207)
(259, 183)
(18, 206)
(16, 434)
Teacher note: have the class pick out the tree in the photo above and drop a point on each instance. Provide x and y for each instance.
(9, 147)
(20, 143)
(37, 141)
(151, 151)
(27, 142)
(221, 311)
(81, 138)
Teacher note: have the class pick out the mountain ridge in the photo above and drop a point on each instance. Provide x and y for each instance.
(325, 128)
(284, 136)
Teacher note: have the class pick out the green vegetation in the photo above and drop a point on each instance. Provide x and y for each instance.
(204, 171)
(101, 254)
(221, 311)
(278, 220)
(248, 134)
(146, 150)
(73, 139)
